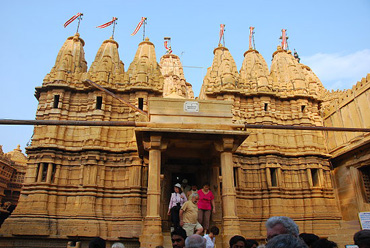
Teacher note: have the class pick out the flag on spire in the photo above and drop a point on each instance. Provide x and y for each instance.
(72, 19)
(222, 30)
(108, 23)
(168, 48)
(284, 40)
(139, 26)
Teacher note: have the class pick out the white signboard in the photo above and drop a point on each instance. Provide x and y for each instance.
(364, 220)
(191, 106)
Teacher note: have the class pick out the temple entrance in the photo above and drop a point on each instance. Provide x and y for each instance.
(196, 171)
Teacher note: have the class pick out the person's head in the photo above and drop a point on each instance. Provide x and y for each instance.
(178, 237)
(118, 245)
(195, 241)
(194, 198)
(285, 241)
(214, 230)
(362, 239)
(324, 243)
(309, 238)
(205, 186)
(177, 188)
(251, 243)
(184, 181)
(281, 225)
(194, 187)
(97, 243)
(237, 242)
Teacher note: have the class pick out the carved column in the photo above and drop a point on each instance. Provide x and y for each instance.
(49, 172)
(41, 169)
(230, 220)
(151, 235)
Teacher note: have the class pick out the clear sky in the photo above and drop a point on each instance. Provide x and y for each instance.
(331, 36)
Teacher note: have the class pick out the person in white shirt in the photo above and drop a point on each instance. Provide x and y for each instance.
(211, 237)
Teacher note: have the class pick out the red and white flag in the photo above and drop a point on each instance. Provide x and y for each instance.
(222, 30)
(139, 26)
(250, 37)
(72, 19)
(108, 23)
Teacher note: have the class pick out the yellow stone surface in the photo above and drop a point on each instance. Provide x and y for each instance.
(115, 182)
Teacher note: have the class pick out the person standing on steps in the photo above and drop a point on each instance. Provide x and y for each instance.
(206, 204)
(178, 199)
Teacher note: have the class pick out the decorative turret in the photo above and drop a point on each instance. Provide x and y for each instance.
(107, 67)
(175, 85)
(144, 71)
(222, 76)
(70, 63)
(254, 73)
(287, 75)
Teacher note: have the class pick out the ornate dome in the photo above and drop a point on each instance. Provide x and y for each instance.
(287, 75)
(175, 85)
(70, 62)
(144, 71)
(222, 76)
(107, 67)
(254, 73)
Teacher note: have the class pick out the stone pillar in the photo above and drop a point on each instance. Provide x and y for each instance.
(41, 169)
(49, 172)
(151, 235)
(230, 220)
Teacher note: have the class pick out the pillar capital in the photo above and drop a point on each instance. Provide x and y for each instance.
(155, 142)
(226, 144)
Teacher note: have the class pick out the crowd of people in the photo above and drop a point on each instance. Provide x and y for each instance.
(282, 232)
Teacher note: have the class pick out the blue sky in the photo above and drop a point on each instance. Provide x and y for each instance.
(332, 37)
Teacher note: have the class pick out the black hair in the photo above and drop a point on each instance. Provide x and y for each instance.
(179, 231)
(309, 238)
(236, 239)
(250, 242)
(97, 242)
(324, 243)
(214, 230)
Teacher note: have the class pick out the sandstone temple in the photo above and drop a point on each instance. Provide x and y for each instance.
(115, 181)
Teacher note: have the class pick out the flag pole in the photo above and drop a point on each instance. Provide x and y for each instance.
(144, 29)
(114, 26)
(79, 20)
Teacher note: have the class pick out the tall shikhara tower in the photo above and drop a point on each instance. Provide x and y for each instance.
(115, 181)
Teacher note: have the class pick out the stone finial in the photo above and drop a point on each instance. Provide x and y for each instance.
(107, 67)
(144, 71)
(175, 85)
(70, 62)
(222, 75)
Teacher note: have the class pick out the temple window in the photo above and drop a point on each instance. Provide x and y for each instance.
(99, 102)
(236, 177)
(56, 101)
(44, 172)
(273, 175)
(303, 107)
(266, 105)
(315, 177)
(141, 103)
(365, 172)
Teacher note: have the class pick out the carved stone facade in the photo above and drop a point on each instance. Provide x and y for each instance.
(12, 171)
(115, 182)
